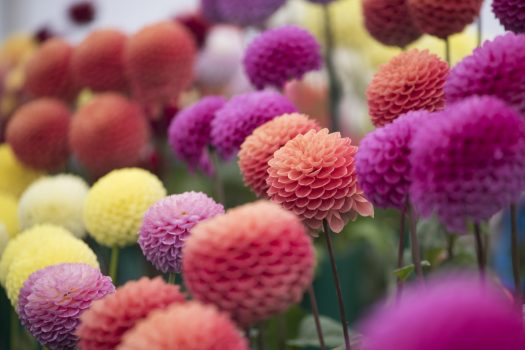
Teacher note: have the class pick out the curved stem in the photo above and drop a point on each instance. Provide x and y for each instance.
(414, 244)
(113, 264)
(315, 313)
(515, 253)
(479, 249)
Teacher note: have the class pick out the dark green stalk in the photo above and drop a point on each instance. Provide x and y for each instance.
(414, 244)
(113, 264)
(315, 313)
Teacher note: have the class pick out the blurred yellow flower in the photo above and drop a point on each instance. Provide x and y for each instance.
(16, 49)
(14, 177)
(4, 238)
(8, 214)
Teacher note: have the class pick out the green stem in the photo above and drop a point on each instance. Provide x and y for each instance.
(171, 278)
(315, 313)
(414, 243)
(401, 249)
(260, 336)
(515, 253)
(447, 51)
(479, 249)
(113, 264)
(218, 185)
(451, 244)
(480, 30)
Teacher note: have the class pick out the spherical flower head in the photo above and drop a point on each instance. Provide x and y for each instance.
(48, 72)
(107, 133)
(105, 322)
(497, 68)
(465, 314)
(159, 62)
(443, 18)
(383, 161)
(189, 132)
(47, 250)
(116, 204)
(8, 214)
(189, 326)
(243, 114)
(411, 81)
(82, 12)
(313, 176)
(389, 22)
(38, 134)
(53, 298)
(197, 25)
(279, 55)
(253, 262)
(469, 163)
(259, 147)
(14, 176)
(98, 61)
(167, 225)
(240, 12)
(57, 200)
(511, 14)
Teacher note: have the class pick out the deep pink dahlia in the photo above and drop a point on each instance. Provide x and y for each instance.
(240, 12)
(189, 132)
(53, 298)
(452, 313)
(279, 55)
(243, 114)
(511, 14)
(383, 164)
(469, 163)
(497, 68)
(167, 225)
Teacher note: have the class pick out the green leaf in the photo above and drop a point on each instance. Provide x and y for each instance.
(405, 272)
(332, 332)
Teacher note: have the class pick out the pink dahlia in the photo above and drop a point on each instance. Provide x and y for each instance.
(105, 322)
(511, 14)
(469, 163)
(243, 114)
(259, 147)
(452, 313)
(53, 298)
(383, 164)
(189, 326)
(240, 12)
(253, 262)
(313, 175)
(167, 224)
(279, 55)
(497, 68)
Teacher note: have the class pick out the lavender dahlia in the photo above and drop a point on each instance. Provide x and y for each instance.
(469, 163)
(52, 299)
(167, 225)
(511, 14)
(240, 12)
(282, 54)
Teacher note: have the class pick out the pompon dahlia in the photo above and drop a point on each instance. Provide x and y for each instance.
(167, 224)
(107, 133)
(188, 326)
(189, 132)
(38, 134)
(159, 62)
(313, 175)
(8, 214)
(259, 147)
(14, 176)
(98, 61)
(497, 68)
(240, 12)
(282, 54)
(411, 81)
(253, 262)
(466, 314)
(511, 14)
(48, 72)
(443, 18)
(383, 163)
(105, 322)
(53, 298)
(57, 200)
(389, 22)
(116, 204)
(243, 114)
(469, 163)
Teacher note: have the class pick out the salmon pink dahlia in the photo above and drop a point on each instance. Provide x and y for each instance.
(511, 14)
(105, 322)
(253, 262)
(411, 81)
(313, 175)
(259, 147)
(189, 326)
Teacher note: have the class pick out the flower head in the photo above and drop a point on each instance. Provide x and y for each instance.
(167, 225)
(240, 12)
(107, 133)
(188, 326)
(14, 176)
(82, 12)
(105, 322)
(469, 163)
(8, 214)
(279, 55)
(313, 175)
(497, 68)
(411, 81)
(197, 25)
(189, 132)
(259, 147)
(243, 114)
(38, 134)
(53, 298)
(511, 14)
(57, 200)
(253, 262)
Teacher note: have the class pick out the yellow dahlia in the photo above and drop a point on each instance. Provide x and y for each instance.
(8, 215)
(14, 177)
